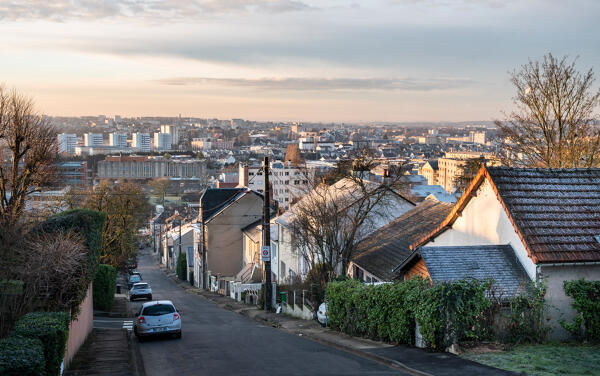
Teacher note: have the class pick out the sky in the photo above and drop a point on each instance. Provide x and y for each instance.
(286, 60)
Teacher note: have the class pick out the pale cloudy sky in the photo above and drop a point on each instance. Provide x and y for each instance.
(312, 60)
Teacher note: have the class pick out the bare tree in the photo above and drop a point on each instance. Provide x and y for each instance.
(37, 272)
(554, 124)
(329, 221)
(28, 149)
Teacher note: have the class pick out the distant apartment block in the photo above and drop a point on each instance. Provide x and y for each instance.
(67, 143)
(162, 141)
(118, 139)
(74, 174)
(144, 167)
(101, 149)
(92, 139)
(173, 131)
(211, 144)
(287, 181)
(477, 137)
(140, 142)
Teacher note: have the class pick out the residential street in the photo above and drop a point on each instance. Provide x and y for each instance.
(220, 342)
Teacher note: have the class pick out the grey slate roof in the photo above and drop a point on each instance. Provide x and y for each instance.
(214, 199)
(382, 251)
(497, 262)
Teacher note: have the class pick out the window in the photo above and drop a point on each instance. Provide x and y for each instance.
(158, 310)
(251, 173)
(287, 173)
(296, 182)
(282, 269)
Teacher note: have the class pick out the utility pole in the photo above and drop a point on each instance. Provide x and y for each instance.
(267, 237)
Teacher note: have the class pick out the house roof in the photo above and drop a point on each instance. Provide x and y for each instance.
(382, 251)
(555, 212)
(497, 262)
(215, 199)
(434, 165)
(254, 231)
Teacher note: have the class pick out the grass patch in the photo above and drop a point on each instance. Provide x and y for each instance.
(542, 360)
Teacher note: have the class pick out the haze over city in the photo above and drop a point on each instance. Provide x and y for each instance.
(286, 60)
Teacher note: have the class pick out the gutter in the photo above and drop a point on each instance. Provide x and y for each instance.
(555, 264)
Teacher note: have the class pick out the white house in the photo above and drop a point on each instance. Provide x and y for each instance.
(549, 217)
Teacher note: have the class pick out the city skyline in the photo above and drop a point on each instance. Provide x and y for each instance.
(285, 60)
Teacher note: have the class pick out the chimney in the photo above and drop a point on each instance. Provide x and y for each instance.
(243, 175)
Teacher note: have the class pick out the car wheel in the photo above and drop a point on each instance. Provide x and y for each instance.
(149, 297)
(178, 335)
(131, 298)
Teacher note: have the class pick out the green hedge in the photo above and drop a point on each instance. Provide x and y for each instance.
(22, 357)
(182, 266)
(52, 329)
(586, 301)
(105, 285)
(445, 312)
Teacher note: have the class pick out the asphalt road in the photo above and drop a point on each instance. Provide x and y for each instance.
(220, 342)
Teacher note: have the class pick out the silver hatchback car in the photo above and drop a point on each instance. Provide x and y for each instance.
(157, 317)
(140, 290)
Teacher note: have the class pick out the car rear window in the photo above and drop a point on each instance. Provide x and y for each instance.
(135, 278)
(141, 286)
(158, 309)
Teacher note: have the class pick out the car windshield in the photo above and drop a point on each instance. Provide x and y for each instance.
(141, 286)
(158, 309)
(135, 278)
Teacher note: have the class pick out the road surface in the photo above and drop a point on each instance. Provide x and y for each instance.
(220, 342)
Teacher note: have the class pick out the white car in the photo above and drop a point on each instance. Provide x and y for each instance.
(157, 317)
(140, 290)
(322, 314)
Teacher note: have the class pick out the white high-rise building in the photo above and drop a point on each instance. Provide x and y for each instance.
(92, 139)
(162, 141)
(67, 143)
(477, 137)
(118, 139)
(141, 142)
(173, 131)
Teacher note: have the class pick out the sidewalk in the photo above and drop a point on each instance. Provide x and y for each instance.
(407, 359)
(107, 352)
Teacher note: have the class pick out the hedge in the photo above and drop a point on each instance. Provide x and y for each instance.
(105, 285)
(22, 357)
(52, 329)
(182, 266)
(445, 312)
(586, 301)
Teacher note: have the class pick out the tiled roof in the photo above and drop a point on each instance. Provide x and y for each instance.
(557, 211)
(497, 262)
(382, 251)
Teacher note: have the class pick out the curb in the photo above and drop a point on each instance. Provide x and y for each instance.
(260, 318)
(136, 356)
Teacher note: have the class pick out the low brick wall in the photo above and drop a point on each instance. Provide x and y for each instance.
(80, 328)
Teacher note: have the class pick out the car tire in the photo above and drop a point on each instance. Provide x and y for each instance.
(178, 335)
(131, 298)
(149, 297)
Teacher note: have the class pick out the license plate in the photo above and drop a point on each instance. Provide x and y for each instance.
(159, 329)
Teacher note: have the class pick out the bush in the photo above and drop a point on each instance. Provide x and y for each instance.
(445, 312)
(105, 285)
(586, 301)
(22, 357)
(182, 266)
(52, 329)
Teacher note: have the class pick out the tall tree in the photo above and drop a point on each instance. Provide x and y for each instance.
(126, 208)
(28, 148)
(554, 124)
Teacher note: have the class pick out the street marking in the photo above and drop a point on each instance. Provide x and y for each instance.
(128, 325)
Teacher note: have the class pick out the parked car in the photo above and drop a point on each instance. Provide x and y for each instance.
(133, 280)
(131, 264)
(134, 272)
(323, 315)
(156, 318)
(140, 290)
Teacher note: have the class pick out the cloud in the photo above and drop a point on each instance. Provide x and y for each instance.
(64, 10)
(324, 84)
